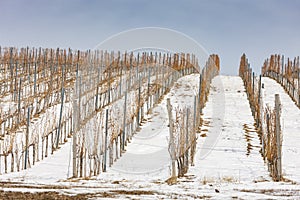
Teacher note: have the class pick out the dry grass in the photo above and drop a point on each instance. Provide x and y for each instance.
(229, 179)
(203, 135)
(273, 192)
(171, 180)
(8, 195)
(207, 180)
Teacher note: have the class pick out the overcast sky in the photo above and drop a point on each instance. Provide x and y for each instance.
(226, 27)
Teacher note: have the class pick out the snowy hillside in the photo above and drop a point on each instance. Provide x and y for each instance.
(228, 163)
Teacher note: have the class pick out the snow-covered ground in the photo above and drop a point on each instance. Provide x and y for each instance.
(228, 164)
(290, 125)
(233, 151)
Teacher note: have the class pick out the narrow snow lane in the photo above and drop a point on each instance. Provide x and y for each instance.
(147, 153)
(290, 125)
(228, 146)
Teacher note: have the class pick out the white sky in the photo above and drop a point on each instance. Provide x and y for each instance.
(226, 27)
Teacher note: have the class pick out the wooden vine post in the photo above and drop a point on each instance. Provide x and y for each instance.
(187, 141)
(171, 144)
(278, 136)
(106, 138)
(27, 138)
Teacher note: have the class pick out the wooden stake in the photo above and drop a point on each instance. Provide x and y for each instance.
(187, 139)
(278, 136)
(171, 142)
(60, 118)
(27, 137)
(124, 121)
(106, 135)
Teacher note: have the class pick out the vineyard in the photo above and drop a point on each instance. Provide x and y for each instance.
(73, 119)
(97, 98)
(288, 75)
(269, 120)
